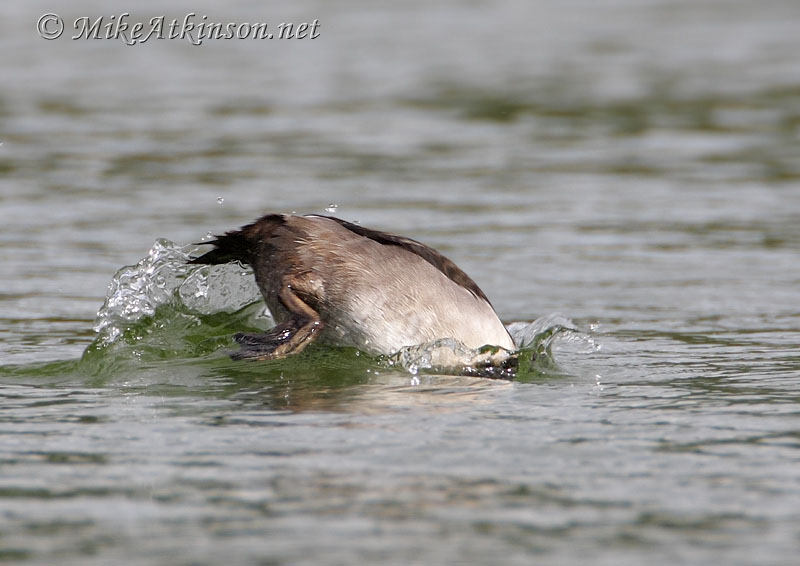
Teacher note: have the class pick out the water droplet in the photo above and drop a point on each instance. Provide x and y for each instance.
(220, 200)
(332, 208)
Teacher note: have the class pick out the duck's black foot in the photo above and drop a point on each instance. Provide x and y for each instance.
(288, 337)
(263, 345)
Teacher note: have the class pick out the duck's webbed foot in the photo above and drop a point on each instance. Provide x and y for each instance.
(289, 337)
(277, 342)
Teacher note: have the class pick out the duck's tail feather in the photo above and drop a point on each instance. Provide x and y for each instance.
(233, 246)
(239, 245)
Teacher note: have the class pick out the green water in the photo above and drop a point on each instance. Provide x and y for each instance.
(622, 179)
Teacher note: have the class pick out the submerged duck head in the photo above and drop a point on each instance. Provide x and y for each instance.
(330, 280)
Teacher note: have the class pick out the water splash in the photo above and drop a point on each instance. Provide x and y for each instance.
(451, 356)
(535, 342)
(545, 330)
(164, 278)
(552, 332)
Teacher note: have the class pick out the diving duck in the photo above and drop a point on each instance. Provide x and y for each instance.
(330, 280)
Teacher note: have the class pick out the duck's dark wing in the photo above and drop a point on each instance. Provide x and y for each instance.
(437, 260)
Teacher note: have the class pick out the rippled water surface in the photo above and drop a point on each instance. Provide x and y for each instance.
(621, 178)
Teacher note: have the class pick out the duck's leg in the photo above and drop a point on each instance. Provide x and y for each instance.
(289, 337)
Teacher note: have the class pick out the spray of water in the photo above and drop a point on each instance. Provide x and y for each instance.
(163, 278)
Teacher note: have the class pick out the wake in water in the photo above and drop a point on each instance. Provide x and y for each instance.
(164, 308)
